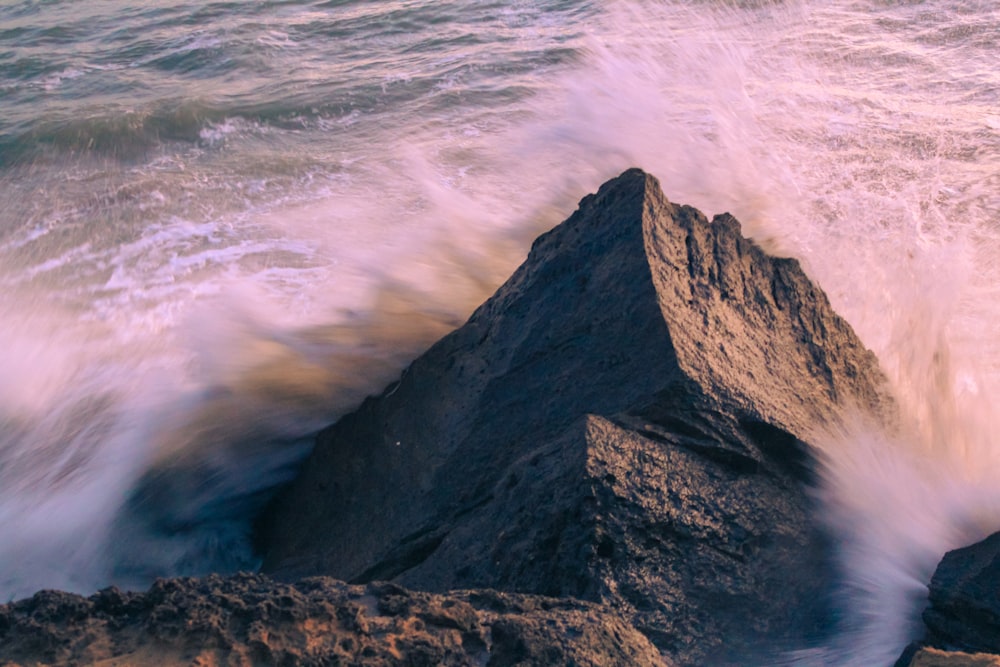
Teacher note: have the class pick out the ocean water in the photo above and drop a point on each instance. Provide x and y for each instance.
(223, 224)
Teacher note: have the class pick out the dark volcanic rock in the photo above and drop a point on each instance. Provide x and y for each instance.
(623, 421)
(965, 599)
(253, 620)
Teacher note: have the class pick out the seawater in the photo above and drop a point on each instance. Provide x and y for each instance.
(223, 224)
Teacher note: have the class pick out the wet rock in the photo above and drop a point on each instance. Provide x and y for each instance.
(964, 611)
(625, 421)
(253, 620)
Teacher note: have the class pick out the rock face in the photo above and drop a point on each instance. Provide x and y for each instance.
(965, 599)
(252, 620)
(624, 421)
(929, 657)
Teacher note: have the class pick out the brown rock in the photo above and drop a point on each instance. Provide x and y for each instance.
(253, 620)
(931, 657)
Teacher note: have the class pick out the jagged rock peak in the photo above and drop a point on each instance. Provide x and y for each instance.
(744, 325)
(626, 420)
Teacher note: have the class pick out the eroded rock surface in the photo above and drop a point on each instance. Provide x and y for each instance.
(625, 421)
(253, 620)
(929, 657)
(965, 599)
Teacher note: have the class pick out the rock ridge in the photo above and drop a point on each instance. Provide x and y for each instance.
(249, 619)
(609, 463)
(627, 421)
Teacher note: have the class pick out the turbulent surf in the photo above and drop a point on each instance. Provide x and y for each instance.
(223, 225)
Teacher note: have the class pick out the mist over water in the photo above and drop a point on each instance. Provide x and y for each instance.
(222, 235)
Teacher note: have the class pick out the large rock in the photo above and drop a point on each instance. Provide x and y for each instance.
(624, 421)
(964, 611)
(252, 620)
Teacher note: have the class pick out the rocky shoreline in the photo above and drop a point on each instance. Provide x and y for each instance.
(625, 421)
(610, 463)
(250, 619)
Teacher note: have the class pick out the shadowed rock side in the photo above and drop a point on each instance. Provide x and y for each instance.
(623, 421)
(965, 599)
(964, 612)
(252, 620)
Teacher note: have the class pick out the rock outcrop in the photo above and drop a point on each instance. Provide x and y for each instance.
(929, 657)
(964, 610)
(253, 620)
(625, 421)
(608, 464)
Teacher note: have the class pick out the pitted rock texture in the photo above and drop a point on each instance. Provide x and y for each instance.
(252, 620)
(929, 657)
(625, 421)
(965, 599)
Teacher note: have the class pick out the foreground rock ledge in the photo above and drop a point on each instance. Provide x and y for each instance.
(625, 421)
(252, 620)
(929, 657)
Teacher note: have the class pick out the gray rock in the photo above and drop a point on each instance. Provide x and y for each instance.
(964, 610)
(624, 421)
(253, 620)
